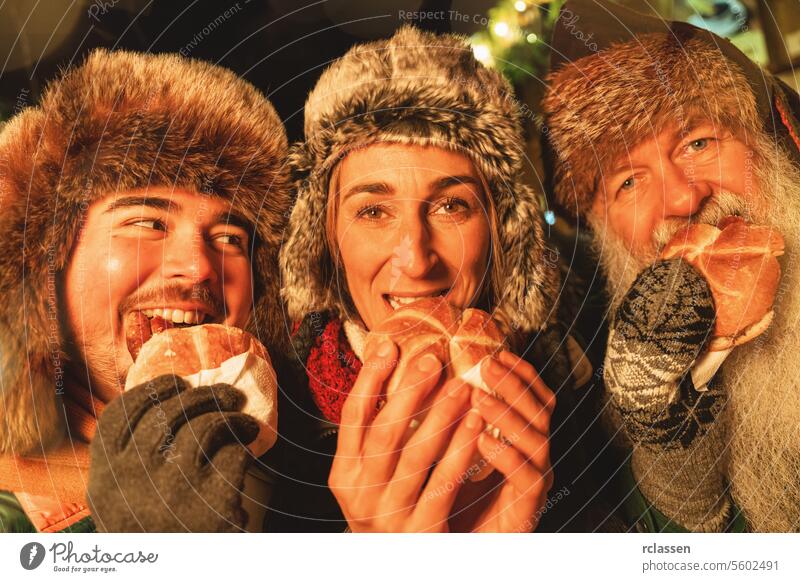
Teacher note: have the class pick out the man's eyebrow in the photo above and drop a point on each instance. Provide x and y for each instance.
(695, 121)
(232, 219)
(371, 188)
(223, 216)
(150, 201)
(625, 166)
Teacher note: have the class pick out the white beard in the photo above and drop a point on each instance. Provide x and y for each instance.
(761, 377)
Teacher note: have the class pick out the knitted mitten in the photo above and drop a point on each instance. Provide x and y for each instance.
(658, 332)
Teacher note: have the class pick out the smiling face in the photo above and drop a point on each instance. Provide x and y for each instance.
(175, 254)
(660, 183)
(411, 222)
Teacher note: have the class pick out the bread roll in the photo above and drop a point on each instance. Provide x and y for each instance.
(459, 339)
(199, 353)
(738, 260)
(187, 350)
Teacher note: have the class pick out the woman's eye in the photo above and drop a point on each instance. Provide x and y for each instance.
(452, 206)
(628, 184)
(371, 212)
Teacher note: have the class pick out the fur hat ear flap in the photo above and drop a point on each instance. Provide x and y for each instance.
(31, 370)
(531, 269)
(31, 383)
(30, 392)
(306, 263)
(32, 350)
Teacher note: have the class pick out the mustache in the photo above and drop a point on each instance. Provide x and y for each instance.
(175, 292)
(715, 208)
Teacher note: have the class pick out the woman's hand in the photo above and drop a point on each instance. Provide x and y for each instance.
(510, 501)
(381, 478)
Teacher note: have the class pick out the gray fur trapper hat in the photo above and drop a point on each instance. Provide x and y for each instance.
(122, 121)
(423, 89)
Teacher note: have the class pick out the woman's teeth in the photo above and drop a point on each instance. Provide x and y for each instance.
(176, 315)
(397, 302)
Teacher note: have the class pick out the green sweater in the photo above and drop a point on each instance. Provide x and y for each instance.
(642, 516)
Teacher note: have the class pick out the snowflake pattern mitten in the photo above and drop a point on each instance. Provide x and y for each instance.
(659, 330)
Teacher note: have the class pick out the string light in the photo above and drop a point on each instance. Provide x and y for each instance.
(509, 42)
(482, 53)
(501, 29)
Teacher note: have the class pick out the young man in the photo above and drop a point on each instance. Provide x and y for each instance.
(141, 182)
(654, 127)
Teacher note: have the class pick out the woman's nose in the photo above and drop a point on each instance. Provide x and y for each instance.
(412, 254)
(188, 256)
(683, 195)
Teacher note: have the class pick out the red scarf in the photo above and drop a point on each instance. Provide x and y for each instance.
(332, 367)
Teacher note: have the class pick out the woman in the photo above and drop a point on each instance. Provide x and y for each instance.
(409, 185)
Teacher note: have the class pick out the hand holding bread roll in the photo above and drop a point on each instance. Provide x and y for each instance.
(459, 339)
(738, 260)
(212, 354)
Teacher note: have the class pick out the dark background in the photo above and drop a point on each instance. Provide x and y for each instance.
(281, 46)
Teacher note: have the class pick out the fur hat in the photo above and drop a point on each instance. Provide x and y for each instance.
(118, 122)
(417, 88)
(635, 74)
(600, 107)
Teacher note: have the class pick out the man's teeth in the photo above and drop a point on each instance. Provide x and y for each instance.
(176, 315)
(397, 302)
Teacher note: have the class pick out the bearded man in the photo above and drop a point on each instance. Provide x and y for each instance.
(660, 131)
(142, 184)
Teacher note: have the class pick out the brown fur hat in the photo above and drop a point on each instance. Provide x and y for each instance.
(599, 107)
(121, 121)
(424, 89)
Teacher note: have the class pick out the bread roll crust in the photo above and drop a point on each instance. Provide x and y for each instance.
(459, 339)
(738, 260)
(476, 337)
(187, 350)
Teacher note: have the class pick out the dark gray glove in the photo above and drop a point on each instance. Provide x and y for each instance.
(168, 458)
(659, 330)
